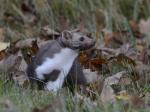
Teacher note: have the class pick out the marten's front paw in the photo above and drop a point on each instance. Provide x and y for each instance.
(52, 86)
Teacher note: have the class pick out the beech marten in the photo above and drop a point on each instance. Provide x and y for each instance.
(56, 65)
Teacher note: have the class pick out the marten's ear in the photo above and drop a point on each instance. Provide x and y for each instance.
(66, 34)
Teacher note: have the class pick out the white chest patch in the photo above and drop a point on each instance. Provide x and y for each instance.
(61, 61)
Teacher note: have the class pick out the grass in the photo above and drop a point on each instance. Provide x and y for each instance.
(22, 99)
(60, 14)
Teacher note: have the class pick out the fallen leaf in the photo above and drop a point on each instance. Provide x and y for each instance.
(2, 54)
(8, 63)
(15, 65)
(99, 18)
(114, 79)
(144, 26)
(49, 33)
(20, 78)
(137, 102)
(125, 61)
(7, 105)
(92, 59)
(25, 43)
(145, 56)
(64, 22)
(115, 39)
(107, 94)
(135, 29)
(127, 50)
(57, 105)
(122, 95)
(90, 75)
(27, 8)
(140, 45)
(142, 68)
(11, 18)
(4, 45)
(29, 14)
(2, 34)
(94, 88)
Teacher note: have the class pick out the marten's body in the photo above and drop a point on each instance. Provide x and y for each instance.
(56, 63)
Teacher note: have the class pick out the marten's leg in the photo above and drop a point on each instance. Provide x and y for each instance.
(75, 76)
(54, 80)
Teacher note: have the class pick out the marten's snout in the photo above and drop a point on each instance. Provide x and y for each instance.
(89, 44)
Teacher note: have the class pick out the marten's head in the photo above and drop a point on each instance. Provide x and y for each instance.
(76, 40)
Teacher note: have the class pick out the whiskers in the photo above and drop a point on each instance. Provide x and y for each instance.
(39, 80)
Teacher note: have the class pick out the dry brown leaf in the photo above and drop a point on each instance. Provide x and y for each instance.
(2, 54)
(127, 50)
(122, 95)
(99, 18)
(135, 29)
(20, 64)
(144, 71)
(48, 32)
(30, 52)
(7, 105)
(11, 18)
(27, 8)
(83, 59)
(145, 56)
(2, 34)
(8, 63)
(114, 39)
(92, 59)
(133, 100)
(57, 105)
(20, 78)
(108, 37)
(108, 94)
(25, 43)
(125, 60)
(64, 22)
(137, 102)
(90, 75)
(96, 63)
(30, 16)
(144, 26)
(115, 79)
(94, 88)
(141, 68)
(19, 72)
(16, 65)
(140, 45)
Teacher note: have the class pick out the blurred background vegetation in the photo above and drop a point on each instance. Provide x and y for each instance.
(64, 14)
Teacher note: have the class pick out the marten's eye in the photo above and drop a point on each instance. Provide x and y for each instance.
(81, 38)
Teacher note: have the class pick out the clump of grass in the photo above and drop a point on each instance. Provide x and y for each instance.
(23, 99)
